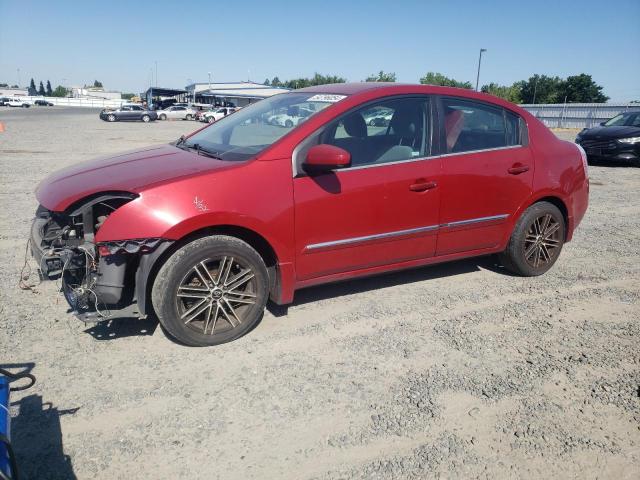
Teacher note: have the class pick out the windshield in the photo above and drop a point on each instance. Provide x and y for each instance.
(618, 120)
(247, 132)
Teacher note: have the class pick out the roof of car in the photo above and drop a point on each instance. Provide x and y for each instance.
(391, 88)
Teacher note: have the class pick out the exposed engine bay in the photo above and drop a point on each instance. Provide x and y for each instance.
(96, 277)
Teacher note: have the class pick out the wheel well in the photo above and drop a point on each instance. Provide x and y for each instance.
(562, 207)
(257, 241)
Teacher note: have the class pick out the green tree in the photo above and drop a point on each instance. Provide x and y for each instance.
(32, 88)
(15, 86)
(128, 96)
(275, 82)
(60, 91)
(509, 93)
(381, 76)
(97, 84)
(266, 82)
(41, 90)
(540, 89)
(49, 91)
(581, 89)
(4, 85)
(435, 78)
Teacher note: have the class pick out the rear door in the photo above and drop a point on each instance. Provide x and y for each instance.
(487, 173)
(384, 208)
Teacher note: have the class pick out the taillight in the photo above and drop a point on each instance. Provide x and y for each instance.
(583, 154)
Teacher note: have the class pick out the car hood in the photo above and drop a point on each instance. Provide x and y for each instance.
(611, 132)
(127, 172)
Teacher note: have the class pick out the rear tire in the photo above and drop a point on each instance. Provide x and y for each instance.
(211, 291)
(162, 117)
(146, 118)
(536, 241)
(188, 117)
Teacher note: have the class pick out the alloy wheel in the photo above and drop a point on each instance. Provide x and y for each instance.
(542, 242)
(215, 295)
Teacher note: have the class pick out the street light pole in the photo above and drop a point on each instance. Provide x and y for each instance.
(156, 74)
(18, 78)
(479, 63)
(209, 73)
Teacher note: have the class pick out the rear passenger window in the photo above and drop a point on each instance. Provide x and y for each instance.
(388, 131)
(470, 126)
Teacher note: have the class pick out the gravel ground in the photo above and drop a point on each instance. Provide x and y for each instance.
(457, 370)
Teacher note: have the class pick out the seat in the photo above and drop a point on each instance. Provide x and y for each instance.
(356, 143)
(453, 123)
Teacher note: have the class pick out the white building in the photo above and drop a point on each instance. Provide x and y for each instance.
(13, 92)
(238, 93)
(95, 92)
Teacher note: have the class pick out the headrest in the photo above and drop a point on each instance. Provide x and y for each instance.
(404, 123)
(355, 125)
(453, 123)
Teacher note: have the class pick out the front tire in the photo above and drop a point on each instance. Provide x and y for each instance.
(536, 241)
(211, 120)
(188, 117)
(211, 291)
(146, 118)
(111, 118)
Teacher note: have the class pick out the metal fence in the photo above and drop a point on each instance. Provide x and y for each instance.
(578, 115)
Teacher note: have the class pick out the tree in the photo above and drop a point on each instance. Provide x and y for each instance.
(97, 84)
(4, 85)
(381, 77)
(41, 91)
(60, 91)
(266, 82)
(435, 78)
(15, 86)
(276, 82)
(32, 88)
(581, 89)
(128, 96)
(49, 91)
(509, 93)
(540, 89)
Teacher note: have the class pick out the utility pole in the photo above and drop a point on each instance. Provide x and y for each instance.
(156, 74)
(535, 90)
(209, 73)
(479, 63)
(18, 77)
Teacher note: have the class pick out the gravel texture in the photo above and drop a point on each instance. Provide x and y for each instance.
(453, 371)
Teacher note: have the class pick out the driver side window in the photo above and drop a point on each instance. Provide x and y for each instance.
(391, 130)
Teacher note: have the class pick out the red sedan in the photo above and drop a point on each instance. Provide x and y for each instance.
(202, 232)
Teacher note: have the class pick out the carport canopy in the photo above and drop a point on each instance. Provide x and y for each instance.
(163, 92)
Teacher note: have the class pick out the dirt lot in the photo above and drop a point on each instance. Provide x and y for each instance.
(452, 371)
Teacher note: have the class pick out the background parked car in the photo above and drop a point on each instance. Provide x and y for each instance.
(4, 101)
(18, 102)
(216, 114)
(43, 103)
(616, 139)
(177, 113)
(128, 113)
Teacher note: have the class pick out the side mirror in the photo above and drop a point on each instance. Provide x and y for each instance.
(323, 158)
(602, 124)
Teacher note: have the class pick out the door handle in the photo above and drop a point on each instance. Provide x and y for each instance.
(422, 186)
(517, 169)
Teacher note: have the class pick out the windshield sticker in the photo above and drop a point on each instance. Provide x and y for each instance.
(326, 98)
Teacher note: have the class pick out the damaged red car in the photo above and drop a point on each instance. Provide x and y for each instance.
(202, 232)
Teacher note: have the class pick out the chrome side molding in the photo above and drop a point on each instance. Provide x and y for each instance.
(399, 233)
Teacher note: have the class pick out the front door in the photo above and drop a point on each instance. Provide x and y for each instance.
(383, 209)
(487, 174)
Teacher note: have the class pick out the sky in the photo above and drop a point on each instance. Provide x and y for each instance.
(119, 42)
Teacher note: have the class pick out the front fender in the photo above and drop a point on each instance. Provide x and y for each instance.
(258, 197)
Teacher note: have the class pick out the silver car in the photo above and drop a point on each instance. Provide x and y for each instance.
(177, 113)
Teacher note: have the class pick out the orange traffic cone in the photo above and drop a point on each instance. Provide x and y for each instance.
(1, 127)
